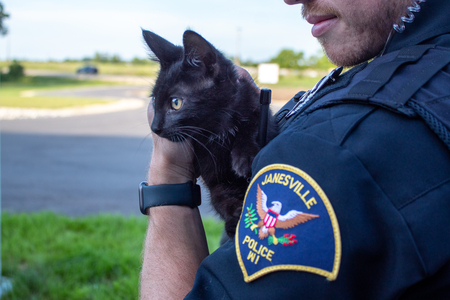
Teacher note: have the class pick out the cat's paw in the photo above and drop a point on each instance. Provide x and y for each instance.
(242, 164)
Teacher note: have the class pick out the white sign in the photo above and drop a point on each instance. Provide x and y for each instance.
(268, 73)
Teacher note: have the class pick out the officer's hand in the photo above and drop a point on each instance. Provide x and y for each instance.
(172, 162)
(244, 75)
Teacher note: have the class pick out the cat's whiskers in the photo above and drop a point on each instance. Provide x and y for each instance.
(234, 82)
(195, 154)
(235, 114)
(181, 137)
(227, 113)
(199, 129)
(203, 145)
(212, 137)
(185, 146)
(213, 158)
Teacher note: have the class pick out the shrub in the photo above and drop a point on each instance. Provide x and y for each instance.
(15, 73)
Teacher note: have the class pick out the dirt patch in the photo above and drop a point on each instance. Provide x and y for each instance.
(284, 94)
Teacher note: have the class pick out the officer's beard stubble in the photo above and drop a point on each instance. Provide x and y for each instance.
(362, 30)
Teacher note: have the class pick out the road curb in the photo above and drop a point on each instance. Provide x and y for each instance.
(12, 113)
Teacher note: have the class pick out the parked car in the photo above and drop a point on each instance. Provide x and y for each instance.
(87, 70)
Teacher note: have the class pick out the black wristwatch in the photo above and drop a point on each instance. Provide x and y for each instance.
(185, 194)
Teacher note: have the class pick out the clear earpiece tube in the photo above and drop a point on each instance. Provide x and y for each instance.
(409, 17)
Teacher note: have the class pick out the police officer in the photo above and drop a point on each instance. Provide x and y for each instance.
(351, 199)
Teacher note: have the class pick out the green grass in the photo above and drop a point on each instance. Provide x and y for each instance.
(49, 256)
(49, 82)
(47, 102)
(297, 81)
(293, 81)
(149, 69)
(12, 93)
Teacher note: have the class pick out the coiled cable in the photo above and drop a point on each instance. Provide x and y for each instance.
(409, 18)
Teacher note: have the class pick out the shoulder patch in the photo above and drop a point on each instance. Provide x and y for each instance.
(287, 223)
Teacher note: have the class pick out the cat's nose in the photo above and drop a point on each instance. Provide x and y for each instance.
(155, 128)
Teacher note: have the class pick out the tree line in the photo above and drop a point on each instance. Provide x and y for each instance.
(290, 59)
(286, 58)
(100, 57)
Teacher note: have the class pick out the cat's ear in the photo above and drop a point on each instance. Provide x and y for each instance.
(166, 52)
(198, 52)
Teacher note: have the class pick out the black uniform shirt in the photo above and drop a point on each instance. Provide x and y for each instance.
(349, 201)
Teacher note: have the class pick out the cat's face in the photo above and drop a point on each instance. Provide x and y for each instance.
(194, 87)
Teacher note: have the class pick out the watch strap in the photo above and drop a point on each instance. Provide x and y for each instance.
(184, 194)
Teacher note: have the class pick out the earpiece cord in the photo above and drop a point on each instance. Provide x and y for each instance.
(400, 26)
(409, 18)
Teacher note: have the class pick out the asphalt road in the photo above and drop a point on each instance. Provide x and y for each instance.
(78, 165)
(101, 92)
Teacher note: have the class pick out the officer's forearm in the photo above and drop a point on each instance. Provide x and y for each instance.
(174, 247)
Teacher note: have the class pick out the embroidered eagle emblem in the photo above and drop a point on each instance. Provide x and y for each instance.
(271, 218)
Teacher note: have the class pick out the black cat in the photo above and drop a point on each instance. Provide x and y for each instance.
(198, 95)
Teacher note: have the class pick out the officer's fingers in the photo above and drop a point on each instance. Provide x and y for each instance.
(150, 113)
(173, 160)
(174, 156)
(177, 152)
(244, 75)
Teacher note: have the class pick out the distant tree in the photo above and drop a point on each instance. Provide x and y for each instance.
(71, 60)
(249, 63)
(115, 59)
(139, 61)
(16, 70)
(101, 57)
(288, 58)
(15, 73)
(3, 16)
(86, 59)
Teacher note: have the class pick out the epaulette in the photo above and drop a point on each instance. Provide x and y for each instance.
(410, 92)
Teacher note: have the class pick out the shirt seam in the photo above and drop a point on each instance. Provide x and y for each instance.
(424, 268)
(417, 197)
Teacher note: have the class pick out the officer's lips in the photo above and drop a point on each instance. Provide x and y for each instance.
(321, 23)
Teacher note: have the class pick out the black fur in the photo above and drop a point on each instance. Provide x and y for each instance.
(219, 112)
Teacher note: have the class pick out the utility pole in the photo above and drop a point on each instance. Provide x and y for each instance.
(8, 47)
(238, 47)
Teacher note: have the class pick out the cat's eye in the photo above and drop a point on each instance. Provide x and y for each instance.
(177, 103)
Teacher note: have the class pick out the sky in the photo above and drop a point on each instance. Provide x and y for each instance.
(255, 30)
